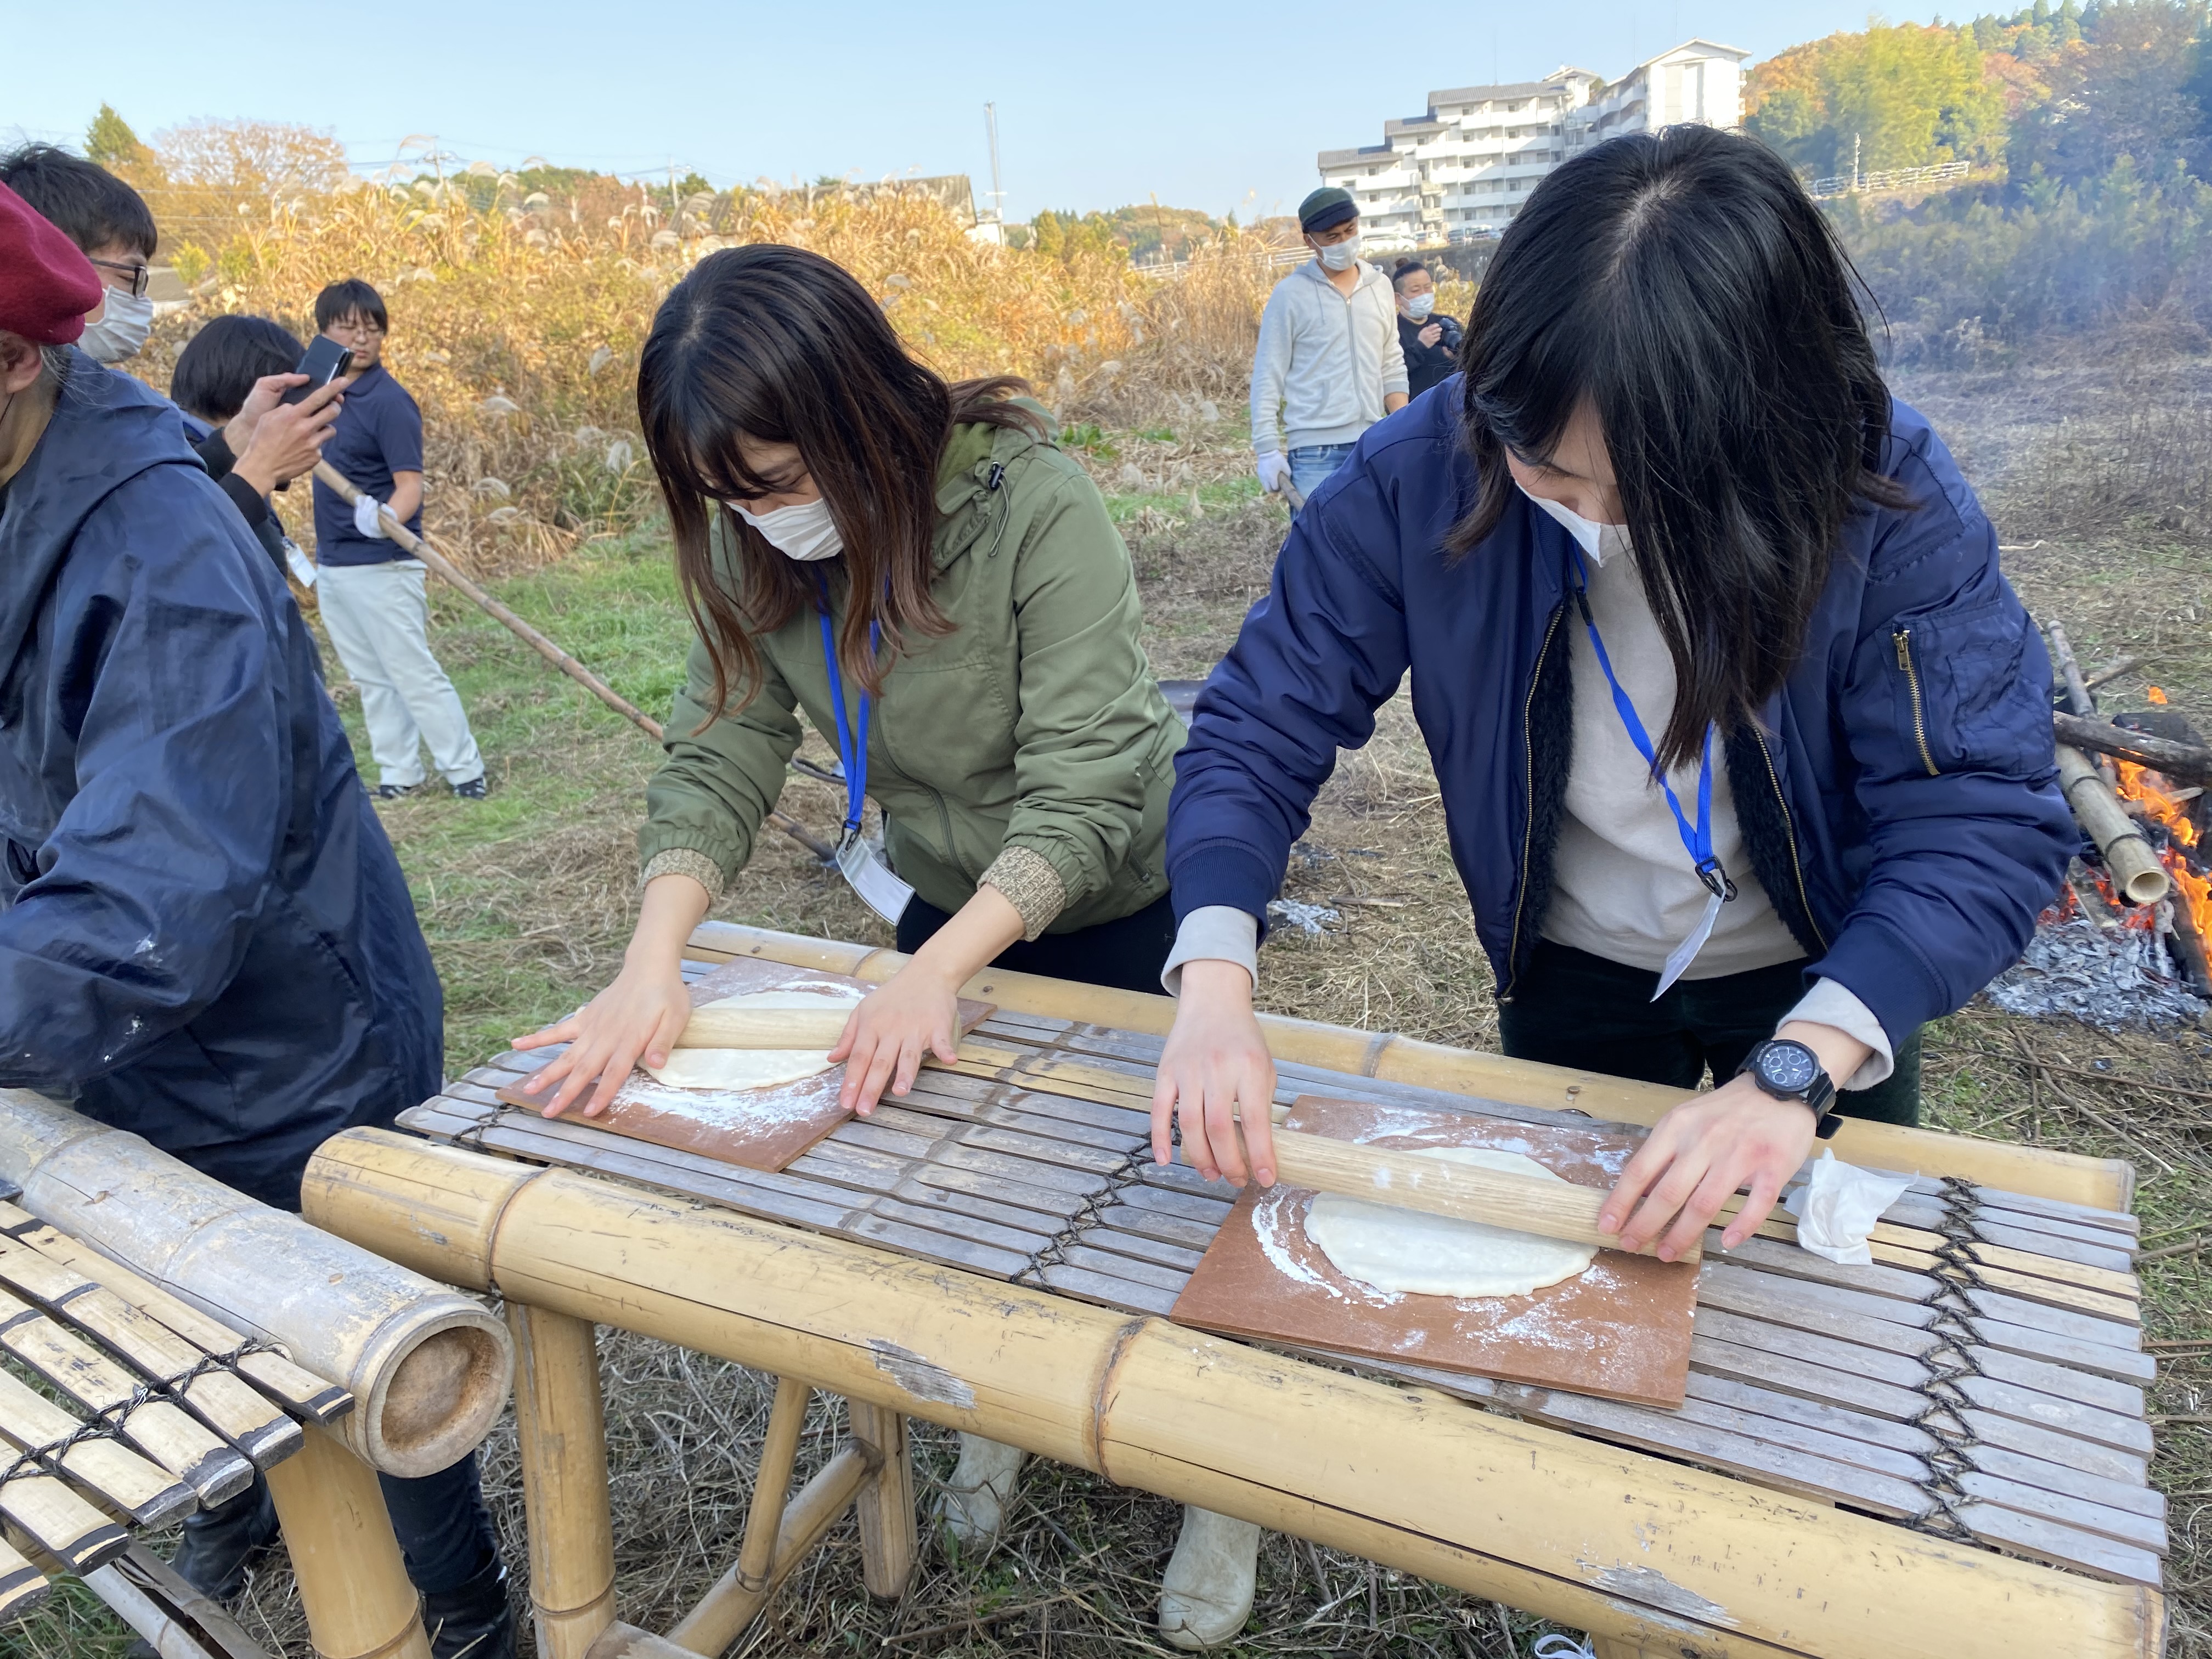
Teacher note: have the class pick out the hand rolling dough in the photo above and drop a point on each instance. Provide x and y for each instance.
(754, 1069)
(1405, 1250)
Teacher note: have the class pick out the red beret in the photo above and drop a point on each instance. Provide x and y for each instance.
(46, 286)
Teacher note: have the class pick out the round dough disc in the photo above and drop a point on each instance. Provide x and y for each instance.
(1407, 1251)
(754, 1069)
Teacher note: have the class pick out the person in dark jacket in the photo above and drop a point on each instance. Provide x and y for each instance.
(1431, 343)
(205, 938)
(233, 376)
(1743, 742)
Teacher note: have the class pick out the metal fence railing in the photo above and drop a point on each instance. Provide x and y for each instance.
(1846, 184)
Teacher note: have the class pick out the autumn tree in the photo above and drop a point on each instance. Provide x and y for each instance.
(2133, 83)
(1896, 96)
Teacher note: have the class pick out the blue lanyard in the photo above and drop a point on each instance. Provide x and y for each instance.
(853, 744)
(1698, 840)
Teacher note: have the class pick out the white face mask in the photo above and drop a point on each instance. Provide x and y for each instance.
(804, 532)
(1421, 306)
(1340, 255)
(1600, 541)
(121, 330)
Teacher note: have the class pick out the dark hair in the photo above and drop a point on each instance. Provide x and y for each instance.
(86, 202)
(219, 365)
(1405, 268)
(780, 346)
(1685, 286)
(350, 298)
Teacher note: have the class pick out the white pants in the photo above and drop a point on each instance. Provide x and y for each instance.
(379, 619)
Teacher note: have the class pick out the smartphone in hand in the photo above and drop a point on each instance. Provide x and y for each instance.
(323, 360)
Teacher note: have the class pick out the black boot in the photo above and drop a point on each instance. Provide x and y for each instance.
(220, 1545)
(476, 1621)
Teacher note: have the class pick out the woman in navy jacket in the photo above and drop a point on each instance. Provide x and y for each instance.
(1744, 743)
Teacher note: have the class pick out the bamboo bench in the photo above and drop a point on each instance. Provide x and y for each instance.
(1942, 1454)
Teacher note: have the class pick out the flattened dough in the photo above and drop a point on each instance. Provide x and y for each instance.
(754, 1069)
(1404, 1251)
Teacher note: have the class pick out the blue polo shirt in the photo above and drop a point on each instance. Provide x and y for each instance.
(378, 432)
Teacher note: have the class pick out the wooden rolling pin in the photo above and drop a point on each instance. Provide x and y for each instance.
(764, 1028)
(1435, 1186)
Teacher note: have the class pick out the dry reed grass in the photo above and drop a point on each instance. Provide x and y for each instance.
(517, 321)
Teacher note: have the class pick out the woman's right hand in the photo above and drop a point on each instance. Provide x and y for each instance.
(1215, 1071)
(636, 1017)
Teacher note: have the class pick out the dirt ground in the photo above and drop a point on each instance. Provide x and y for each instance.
(527, 901)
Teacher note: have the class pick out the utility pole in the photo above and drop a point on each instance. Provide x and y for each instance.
(997, 196)
(1856, 175)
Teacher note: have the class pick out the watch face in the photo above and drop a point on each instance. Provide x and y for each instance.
(1788, 1065)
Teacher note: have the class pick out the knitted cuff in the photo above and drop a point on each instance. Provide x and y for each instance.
(1030, 884)
(683, 861)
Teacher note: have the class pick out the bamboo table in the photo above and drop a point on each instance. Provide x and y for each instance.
(1943, 1454)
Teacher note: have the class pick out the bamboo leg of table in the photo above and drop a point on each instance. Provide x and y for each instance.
(353, 1583)
(561, 1426)
(886, 1503)
(741, 1592)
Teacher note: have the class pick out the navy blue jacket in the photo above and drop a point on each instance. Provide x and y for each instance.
(1898, 800)
(205, 936)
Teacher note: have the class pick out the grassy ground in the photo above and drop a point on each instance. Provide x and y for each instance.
(526, 902)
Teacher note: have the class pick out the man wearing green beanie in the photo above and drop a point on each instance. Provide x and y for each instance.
(1328, 364)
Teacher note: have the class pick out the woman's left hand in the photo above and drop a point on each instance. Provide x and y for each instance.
(1699, 1154)
(912, 1014)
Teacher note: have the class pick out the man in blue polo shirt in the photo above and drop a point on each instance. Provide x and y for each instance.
(372, 596)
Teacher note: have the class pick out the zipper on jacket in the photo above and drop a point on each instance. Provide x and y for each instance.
(1529, 820)
(1903, 636)
(1789, 834)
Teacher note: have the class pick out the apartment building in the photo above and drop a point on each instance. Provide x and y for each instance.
(1460, 171)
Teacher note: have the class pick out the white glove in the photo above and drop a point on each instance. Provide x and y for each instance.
(1275, 471)
(367, 518)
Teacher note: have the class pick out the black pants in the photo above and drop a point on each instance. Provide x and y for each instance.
(1571, 1008)
(1128, 954)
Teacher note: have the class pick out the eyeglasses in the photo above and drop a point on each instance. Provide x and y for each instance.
(140, 276)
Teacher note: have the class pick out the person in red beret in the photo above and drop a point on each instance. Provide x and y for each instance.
(205, 938)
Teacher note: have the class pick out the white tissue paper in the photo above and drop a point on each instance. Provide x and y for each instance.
(1836, 1209)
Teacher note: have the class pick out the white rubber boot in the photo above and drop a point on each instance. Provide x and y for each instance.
(1207, 1593)
(974, 1502)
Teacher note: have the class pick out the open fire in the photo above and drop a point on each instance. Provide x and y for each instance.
(2097, 956)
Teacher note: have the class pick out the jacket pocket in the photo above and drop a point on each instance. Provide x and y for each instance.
(1973, 689)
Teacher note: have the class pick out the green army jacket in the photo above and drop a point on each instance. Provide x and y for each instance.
(1035, 725)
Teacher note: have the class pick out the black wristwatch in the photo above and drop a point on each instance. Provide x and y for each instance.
(1791, 1070)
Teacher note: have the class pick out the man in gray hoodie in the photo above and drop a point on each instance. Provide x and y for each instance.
(1328, 365)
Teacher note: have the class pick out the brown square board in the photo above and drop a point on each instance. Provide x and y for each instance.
(1621, 1329)
(756, 1128)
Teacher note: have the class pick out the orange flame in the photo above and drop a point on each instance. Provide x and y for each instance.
(2152, 694)
(2145, 790)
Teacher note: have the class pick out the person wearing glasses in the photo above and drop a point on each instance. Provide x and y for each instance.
(374, 598)
(111, 227)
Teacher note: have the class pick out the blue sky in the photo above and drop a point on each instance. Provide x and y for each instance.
(1209, 106)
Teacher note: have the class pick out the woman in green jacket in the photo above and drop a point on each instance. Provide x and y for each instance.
(942, 592)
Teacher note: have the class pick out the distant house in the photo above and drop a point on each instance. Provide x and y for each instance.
(1460, 171)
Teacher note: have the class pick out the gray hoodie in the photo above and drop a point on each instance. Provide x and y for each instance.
(1325, 361)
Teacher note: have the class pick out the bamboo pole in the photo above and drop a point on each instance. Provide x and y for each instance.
(416, 547)
(2069, 672)
(1593, 1536)
(885, 1505)
(429, 1367)
(560, 1424)
(724, 1611)
(299, 1392)
(2137, 875)
(2178, 761)
(764, 1028)
(352, 1582)
(176, 1620)
(741, 1592)
(1435, 1185)
(2101, 1184)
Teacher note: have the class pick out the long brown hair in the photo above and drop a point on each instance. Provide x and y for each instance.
(782, 346)
(1683, 285)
